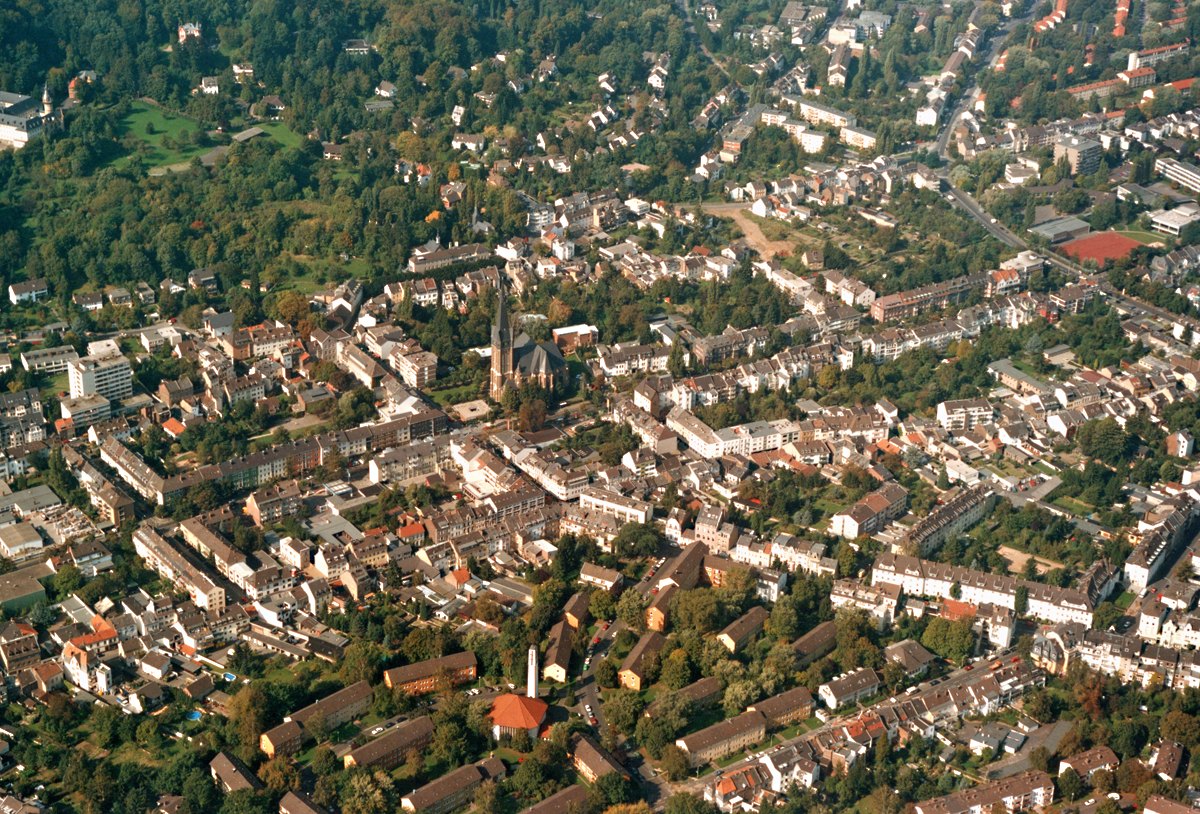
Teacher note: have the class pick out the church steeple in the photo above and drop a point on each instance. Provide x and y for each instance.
(502, 345)
(47, 102)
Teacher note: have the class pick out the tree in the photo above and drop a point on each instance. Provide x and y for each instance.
(950, 640)
(1039, 759)
(68, 580)
(1069, 785)
(606, 673)
(370, 793)
(602, 605)
(784, 622)
(317, 727)
(325, 761)
(1022, 597)
(616, 789)
(622, 710)
(676, 672)
(280, 775)
(1179, 726)
(148, 734)
(631, 610)
(487, 797)
(361, 662)
(675, 763)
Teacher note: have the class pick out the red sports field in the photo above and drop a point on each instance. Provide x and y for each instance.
(1101, 246)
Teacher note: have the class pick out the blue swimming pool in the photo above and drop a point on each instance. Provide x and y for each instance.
(194, 715)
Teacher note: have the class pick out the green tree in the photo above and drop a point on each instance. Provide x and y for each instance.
(675, 763)
(622, 710)
(1069, 785)
(616, 789)
(606, 673)
(631, 609)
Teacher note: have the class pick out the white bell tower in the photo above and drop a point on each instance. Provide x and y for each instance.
(531, 689)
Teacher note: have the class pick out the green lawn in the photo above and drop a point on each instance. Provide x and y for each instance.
(455, 395)
(1124, 600)
(1143, 237)
(59, 384)
(1073, 505)
(280, 132)
(163, 124)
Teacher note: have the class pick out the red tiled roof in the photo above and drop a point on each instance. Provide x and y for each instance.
(518, 712)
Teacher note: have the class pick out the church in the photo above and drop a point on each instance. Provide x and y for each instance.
(520, 360)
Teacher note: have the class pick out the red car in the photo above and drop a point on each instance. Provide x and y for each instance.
(968, 667)
(596, 640)
(593, 720)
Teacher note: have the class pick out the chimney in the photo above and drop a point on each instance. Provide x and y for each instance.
(531, 689)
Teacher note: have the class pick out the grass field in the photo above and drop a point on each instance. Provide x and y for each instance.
(1124, 600)
(163, 124)
(280, 133)
(1140, 236)
(1073, 505)
(454, 395)
(179, 129)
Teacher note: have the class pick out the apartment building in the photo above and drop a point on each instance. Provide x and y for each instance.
(232, 775)
(742, 631)
(1184, 174)
(1082, 154)
(917, 301)
(659, 609)
(880, 601)
(49, 361)
(390, 750)
(571, 799)
(282, 740)
(871, 514)
(786, 708)
(947, 520)
(917, 577)
(558, 653)
(720, 739)
(601, 577)
(84, 411)
(625, 509)
(1086, 764)
(417, 369)
(1020, 792)
(849, 687)
(172, 565)
(964, 414)
(577, 610)
(339, 707)
(274, 502)
(703, 694)
(590, 759)
(632, 674)
(109, 375)
(424, 677)
(453, 790)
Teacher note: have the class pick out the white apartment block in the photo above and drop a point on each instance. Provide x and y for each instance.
(108, 375)
(626, 509)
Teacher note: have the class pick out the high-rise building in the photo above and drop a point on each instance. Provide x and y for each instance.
(110, 376)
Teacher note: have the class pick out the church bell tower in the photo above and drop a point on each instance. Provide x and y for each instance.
(502, 346)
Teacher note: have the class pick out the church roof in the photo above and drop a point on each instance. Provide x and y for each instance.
(518, 711)
(536, 358)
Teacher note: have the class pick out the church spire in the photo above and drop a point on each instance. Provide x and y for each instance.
(501, 332)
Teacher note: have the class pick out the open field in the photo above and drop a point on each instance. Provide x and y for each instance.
(1016, 560)
(163, 124)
